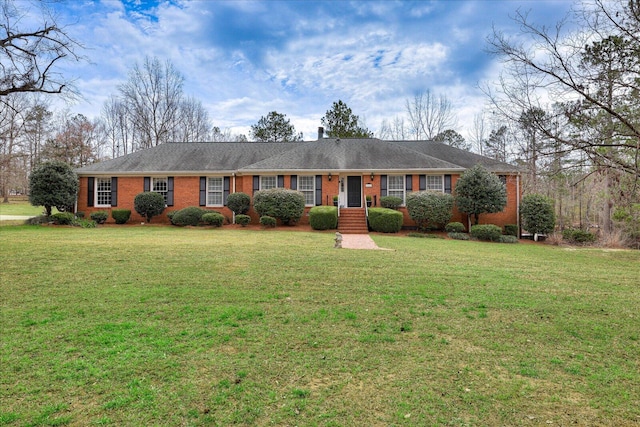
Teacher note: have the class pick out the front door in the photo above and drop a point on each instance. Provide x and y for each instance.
(354, 191)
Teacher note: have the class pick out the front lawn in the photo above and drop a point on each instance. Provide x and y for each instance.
(152, 325)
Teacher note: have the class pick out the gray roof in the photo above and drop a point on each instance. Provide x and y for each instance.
(328, 154)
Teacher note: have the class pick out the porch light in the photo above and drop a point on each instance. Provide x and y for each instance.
(329, 176)
(371, 176)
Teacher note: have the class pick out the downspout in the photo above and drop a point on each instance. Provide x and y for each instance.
(518, 203)
(233, 214)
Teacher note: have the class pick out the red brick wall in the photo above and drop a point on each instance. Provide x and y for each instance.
(186, 193)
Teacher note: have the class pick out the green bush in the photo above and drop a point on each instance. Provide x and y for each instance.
(486, 232)
(280, 203)
(508, 239)
(455, 227)
(390, 202)
(268, 221)
(573, 235)
(37, 220)
(79, 214)
(100, 216)
(170, 215)
(511, 230)
(458, 236)
(323, 217)
(239, 203)
(213, 218)
(424, 235)
(83, 223)
(430, 209)
(191, 215)
(537, 214)
(121, 216)
(243, 220)
(385, 220)
(63, 218)
(149, 204)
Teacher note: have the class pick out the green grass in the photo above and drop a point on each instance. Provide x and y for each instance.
(170, 326)
(19, 206)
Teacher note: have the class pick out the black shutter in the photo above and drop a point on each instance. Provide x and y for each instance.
(147, 184)
(383, 185)
(256, 183)
(170, 191)
(203, 191)
(114, 191)
(447, 184)
(280, 181)
(91, 186)
(226, 187)
(422, 182)
(409, 186)
(294, 182)
(318, 190)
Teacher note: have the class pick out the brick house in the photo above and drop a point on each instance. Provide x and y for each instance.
(204, 174)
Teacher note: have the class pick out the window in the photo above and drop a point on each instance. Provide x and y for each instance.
(267, 182)
(214, 191)
(396, 186)
(160, 185)
(434, 183)
(306, 185)
(103, 191)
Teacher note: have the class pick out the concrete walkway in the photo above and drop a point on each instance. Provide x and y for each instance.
(14, 217)
(359, 241)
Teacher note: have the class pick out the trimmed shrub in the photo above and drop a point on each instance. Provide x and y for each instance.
(537, 214)
(268, 221)
(83, 223)
(243, 220)
(573, 235)
(455, 227)
(430, 209)
(280, 203)
(121, 216)
(239, 203)
(191, 215)
(170, 215)
(390, 202)
(508, 239)
(149, 204)
(79, 214)
(213, 218)
(323, 217)
(511, 230)
(100, 216)
(63, 218)
(486, 232)
(385, 220)
(458, 236)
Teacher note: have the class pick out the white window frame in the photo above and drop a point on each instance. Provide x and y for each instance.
(215, 188)
(101, 193)
(308, 189)
(156, 181)
(396, 186)
(432, 185)
(267, 185)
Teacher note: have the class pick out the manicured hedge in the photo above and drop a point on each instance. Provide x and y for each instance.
(430, 209)
(268, 221)
(243, 220)
(455, 227)
(280, 203)
(63, 218)
(487, 232)
(511, 230)
(213, 218)
(191, 215)
(385, 220)
(149, 204)
(239, 203)
(390, 202)
(323, 217)
(121, 216)
(100, 216)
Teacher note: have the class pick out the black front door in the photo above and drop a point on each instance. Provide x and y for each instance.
(354, 191)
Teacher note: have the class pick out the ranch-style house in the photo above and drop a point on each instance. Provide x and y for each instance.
(204, 174)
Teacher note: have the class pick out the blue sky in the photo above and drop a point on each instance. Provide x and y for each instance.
(245, 59)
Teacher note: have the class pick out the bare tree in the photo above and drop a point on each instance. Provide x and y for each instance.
(394, 130)
(153, 94)
(75, 143)
(193, 123)
(30, 56)
(429, 115)
(11, 125)
(479, 131)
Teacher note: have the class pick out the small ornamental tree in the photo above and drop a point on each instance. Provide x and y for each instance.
(537, 214)
(149, 204)
(239, 203)
(53, 184)
(430, 208)
(478, 191)
(280, 203)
